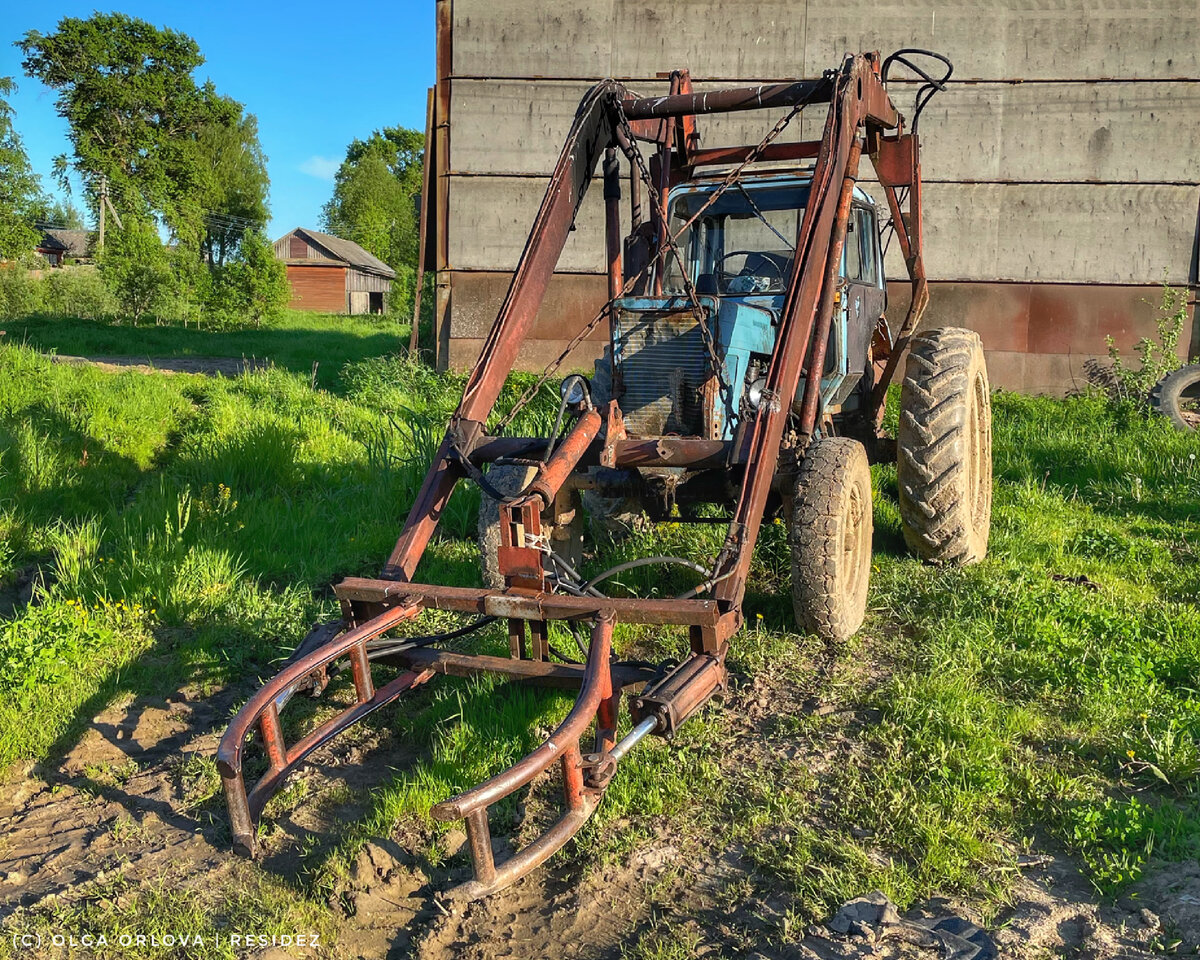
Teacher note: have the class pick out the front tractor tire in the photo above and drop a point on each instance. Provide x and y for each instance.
(944, 448)
(830, 538)
(511, 479)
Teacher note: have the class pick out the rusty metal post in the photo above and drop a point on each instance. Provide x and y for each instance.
(833, 265)
(423, 228)
(612, 222)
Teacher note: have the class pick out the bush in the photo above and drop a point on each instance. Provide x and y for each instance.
(253, 287)
(137, 269)
(77, 292)
(1156, 357)
(20, 292)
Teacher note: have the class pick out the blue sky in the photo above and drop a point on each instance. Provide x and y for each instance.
(315, 74)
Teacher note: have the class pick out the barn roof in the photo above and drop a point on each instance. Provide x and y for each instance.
(74, 243)
(347, 251)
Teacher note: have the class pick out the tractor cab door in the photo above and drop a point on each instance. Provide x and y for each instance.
(863, 294)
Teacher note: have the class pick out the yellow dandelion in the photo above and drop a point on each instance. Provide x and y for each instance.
(1129, 754)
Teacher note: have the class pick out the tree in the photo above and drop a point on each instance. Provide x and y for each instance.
(138, 118)
(374, 195)
(234, 180)
(20, 187)
(57, 213)
(258, 279)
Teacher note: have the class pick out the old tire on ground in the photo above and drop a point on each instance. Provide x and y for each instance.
(611, 519)
(511, 479)
(1177, 397)
(830, 537)
(944, 448)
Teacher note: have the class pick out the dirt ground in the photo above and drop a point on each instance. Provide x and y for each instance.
(212, 366)
(68, 825)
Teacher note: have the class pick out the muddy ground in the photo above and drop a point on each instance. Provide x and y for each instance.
(122, 799)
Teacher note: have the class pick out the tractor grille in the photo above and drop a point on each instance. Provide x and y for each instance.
(662, 363)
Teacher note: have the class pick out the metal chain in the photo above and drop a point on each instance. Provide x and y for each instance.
(550, 370)
(635, 155)
(710, 347)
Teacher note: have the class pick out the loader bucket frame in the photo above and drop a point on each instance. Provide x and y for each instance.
(861, 118)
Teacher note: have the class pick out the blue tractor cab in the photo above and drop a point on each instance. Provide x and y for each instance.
(738, 252)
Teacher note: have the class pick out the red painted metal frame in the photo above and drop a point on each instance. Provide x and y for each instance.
(860, 113)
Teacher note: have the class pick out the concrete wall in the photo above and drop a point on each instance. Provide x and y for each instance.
(1062, 166)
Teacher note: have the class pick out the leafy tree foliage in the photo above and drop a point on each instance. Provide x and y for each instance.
(20, 188)
(253, 286)
(375, 192)
(59, 213)
(170, 148)
(234, 182)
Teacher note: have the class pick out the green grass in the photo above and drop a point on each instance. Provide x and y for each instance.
(294, 342)
(1044, 697)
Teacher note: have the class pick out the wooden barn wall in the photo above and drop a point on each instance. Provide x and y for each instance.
(360, 280)
(1061, 178)
(317, 288)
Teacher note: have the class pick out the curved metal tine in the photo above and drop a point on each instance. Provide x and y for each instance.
(562, 745)
(262, 710)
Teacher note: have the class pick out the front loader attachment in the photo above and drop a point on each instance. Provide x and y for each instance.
(585, 775)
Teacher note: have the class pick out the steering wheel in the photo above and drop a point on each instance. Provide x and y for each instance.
(723, 279)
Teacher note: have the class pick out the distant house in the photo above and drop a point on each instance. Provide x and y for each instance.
(333, 275)
(57, 245)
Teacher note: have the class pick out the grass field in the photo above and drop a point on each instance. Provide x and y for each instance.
(295, 342)
(183, 532)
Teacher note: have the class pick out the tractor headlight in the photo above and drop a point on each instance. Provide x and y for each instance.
(575, 390)
(756, 391)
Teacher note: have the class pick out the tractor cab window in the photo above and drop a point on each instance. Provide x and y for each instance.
(741, 245)
(859, 259)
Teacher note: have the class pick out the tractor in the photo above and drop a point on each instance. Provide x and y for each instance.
(743, 378)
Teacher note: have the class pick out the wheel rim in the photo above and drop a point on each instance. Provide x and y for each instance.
(976, 453)
(1189, 405)
(855, 549)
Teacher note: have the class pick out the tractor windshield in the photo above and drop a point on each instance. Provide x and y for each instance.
(741, 245)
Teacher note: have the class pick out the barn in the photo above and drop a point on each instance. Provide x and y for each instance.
(57, 245)
(332, 275)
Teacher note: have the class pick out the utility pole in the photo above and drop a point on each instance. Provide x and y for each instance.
(103, 201)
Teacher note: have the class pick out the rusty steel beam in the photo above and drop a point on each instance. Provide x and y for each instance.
(262, 713)
(813, 240)
(761, 97)
(829, 292)
(695, 452)
(801, 150)
(561, 746)
(566, 457)
(542, 606)
(540, 673)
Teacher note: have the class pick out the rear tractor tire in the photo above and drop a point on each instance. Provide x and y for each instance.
(565, 540)
(944, 448)
(1177, 397)
(830, 535)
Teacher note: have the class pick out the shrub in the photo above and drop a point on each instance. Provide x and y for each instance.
(137, 269)
(253, 287)
(20, 292)
(77, 292)
(1156, 357)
